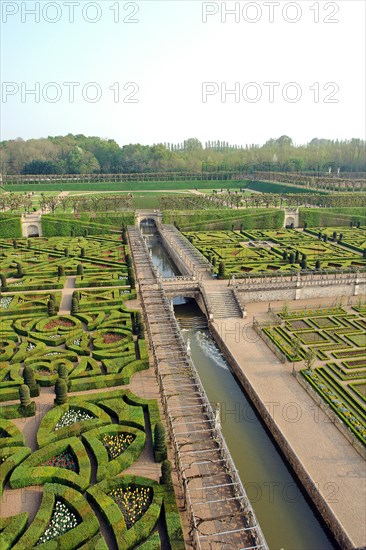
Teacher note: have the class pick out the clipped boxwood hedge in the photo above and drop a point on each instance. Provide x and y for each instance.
(85, 530)
(13, 456)
(110, 468)
(12, 529)
(127, 538)
(32, 472)
(10, 434)
(46, 431)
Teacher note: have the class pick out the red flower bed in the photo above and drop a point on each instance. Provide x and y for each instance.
(59, 323)
(65, 460)
(111, 338)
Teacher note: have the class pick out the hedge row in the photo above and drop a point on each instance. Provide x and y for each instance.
(33, 472)
(85, 530)
(107, 468)
(225, 218)
(127, 538)
(100, 381)
(12, 529)
(46, 432)
(13, 456)
(10, 226)
(10, 435)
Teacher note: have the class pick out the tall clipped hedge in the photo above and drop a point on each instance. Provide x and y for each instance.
(63, 225)
(331, 217)
(248, 218)
(10, 226)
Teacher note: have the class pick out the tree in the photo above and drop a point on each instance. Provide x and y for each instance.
(317, 264)
(284, 255)
(160, 451)
(128, 260)
(51, 308)
(74, 305)
(222, 270)
(63, 373)
(80, 269)
(29, 380)
(60, 392)
(295, 350)
(2, 281)
(166, 473)
(82, 253)
(139, 325)
(20, 272)
(24, 396)
(60, 271)
(291, 259)
(66, 252)
(303, 263)
(131, 278)
(309, 359)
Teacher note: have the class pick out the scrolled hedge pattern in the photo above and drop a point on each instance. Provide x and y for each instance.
(91, 437)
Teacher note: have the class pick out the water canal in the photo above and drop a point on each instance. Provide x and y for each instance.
(285, 516)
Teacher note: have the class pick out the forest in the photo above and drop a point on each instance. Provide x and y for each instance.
(79, 154)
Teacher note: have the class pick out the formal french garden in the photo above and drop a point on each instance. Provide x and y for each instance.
(332, 344)
(85, 440)
(242, 251)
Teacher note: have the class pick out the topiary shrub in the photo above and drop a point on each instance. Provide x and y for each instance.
(80, 269)
(63, 373)
(82, 253)
(317, 264)
(131, 278)
(51, 308)
(291, 258)
(60, 392)
(66, 252)
(15, 244)
(20, 272)
(29, 380)
(24, 396)
(159, 442)
(222, 270)
(128, 260)
(166, 473)
(74, 305)
(60, 271)
(2, 281)
(139, 325)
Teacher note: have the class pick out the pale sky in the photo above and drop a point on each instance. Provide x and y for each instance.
(177, 61)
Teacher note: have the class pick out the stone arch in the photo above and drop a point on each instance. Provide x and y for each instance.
(33, 230)
(290, 221)
(148, 222)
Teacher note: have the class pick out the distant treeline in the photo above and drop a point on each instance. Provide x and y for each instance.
(79, 154)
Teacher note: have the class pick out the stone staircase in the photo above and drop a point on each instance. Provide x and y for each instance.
(223, 304)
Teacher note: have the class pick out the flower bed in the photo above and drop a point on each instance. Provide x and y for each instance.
(71, 417)
(133, 502)
(59, 323)
(111, 338)
(117, 444)
(65, 460)
(62, 520)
